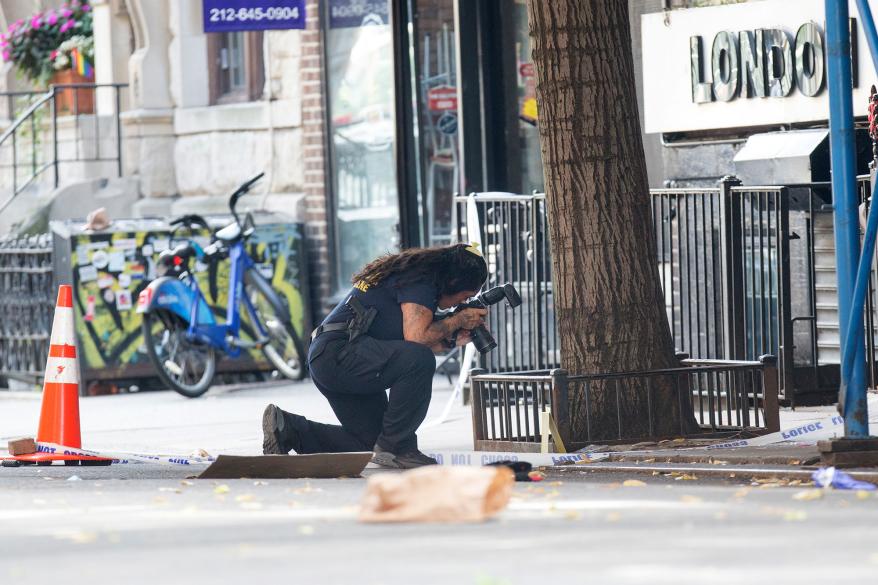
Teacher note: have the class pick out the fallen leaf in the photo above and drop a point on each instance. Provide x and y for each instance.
(687, 499)
(572, 515)
(613, 517)
(245, 498)
(719, 462)
(654, 473)
(186, 482)
(221, 489)
(633, 483)
(863, 494)
(742, 492)
(685, 477)
(78, 537)
(306, 530)
(555, 483)
(795, 515)
(806, 495)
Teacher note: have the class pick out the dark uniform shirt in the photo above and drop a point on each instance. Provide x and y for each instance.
(387, 298)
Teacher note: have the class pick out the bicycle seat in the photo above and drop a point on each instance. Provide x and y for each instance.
(183, 251)
(230, 233)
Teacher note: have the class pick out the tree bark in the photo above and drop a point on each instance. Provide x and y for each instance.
(608, 298)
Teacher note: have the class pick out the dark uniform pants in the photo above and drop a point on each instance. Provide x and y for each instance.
(354, 378)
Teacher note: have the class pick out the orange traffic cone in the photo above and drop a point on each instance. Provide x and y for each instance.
(59, 413)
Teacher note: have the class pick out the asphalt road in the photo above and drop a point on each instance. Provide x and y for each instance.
(149, 524)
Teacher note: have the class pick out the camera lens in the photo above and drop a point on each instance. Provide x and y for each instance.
(482, 339)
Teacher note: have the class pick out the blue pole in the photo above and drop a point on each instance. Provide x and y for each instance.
(852, 398)
(859, 409)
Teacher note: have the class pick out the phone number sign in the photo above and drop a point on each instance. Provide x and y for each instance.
(238, 15)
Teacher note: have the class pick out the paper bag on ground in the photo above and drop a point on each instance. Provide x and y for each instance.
(437, 493)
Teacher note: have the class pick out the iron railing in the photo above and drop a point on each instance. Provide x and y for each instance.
(26, 305)
(746, 271)
(515, 242)
(749, 270)
(724, 263)
(726, 397)
(30, 147)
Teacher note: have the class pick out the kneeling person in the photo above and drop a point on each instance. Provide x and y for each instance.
(383, 336)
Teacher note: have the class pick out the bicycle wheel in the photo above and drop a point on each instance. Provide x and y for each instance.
(185, 366)
(284, 348)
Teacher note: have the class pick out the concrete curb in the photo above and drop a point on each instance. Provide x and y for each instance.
(722, 471)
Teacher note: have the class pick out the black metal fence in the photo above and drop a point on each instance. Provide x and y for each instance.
(726, 397)
(746, 271)
(724, 260)
(26, 306)
(515, 242)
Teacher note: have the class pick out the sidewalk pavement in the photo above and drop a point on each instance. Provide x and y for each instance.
(227, 420)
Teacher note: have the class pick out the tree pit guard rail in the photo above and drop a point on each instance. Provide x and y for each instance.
(727, 398)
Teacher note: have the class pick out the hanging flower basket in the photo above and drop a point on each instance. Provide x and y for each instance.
(72, 63)
(34, 45)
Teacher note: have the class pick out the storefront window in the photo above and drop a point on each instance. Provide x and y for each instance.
(436, 88)
(529, 158)
(360, 79)
(501, 142)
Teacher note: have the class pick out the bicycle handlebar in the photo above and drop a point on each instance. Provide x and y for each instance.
(190, 220)
(239, 192)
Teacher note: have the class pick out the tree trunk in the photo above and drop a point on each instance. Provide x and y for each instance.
(608, 298)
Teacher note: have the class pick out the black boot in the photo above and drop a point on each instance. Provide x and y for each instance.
(281, 431)
(408, 460)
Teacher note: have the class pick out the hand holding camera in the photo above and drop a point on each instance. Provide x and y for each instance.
(470, 316)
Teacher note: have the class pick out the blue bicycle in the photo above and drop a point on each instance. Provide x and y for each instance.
(180, 331)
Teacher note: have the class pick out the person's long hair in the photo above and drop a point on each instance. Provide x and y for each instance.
(452, 269)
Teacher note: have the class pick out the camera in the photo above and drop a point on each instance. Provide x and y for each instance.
(482, 338)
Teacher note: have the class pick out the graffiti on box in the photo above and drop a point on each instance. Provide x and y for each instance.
(110, 270)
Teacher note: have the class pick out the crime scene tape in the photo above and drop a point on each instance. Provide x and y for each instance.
(127, 458)
(811, 432)
(478, 458)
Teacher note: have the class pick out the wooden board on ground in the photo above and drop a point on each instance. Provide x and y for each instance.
(317, 465)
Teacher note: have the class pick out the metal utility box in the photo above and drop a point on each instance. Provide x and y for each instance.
(109, 268)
